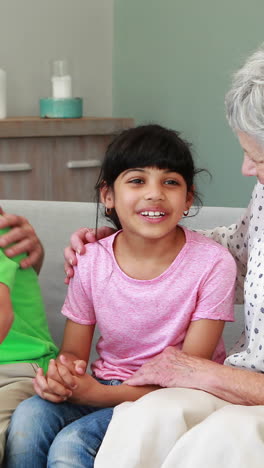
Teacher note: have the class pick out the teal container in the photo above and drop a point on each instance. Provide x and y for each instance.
(61, 108)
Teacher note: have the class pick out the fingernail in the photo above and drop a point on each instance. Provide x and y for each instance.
(71, 261)
(79, 251)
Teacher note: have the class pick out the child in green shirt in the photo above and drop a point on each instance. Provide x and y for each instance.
(25, 341)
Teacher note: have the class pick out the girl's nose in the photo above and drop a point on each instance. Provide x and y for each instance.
(154, 192)
(248, 167)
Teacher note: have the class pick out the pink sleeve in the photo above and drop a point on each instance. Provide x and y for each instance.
(78, 305)
(216, 300)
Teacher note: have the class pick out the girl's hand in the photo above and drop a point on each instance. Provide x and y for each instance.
(88, 392)
(25, 239)
(78, 241)
(58, 372)
(60, 379)
(49, 389)
(77, 367)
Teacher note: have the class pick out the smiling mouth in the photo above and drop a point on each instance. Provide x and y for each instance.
(153, 214)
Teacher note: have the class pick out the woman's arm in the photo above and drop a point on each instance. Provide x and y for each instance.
(235, 239)
(24, 238)
(173, 368)
(6, 311)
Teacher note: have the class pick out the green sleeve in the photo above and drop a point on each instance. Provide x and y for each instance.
(8, 270)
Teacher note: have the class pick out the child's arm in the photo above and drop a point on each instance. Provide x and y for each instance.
(62, 382)
(6, 311)
(60, 379)
(202, 337)
(91, 392)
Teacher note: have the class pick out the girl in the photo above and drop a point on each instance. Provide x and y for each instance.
(151, 285)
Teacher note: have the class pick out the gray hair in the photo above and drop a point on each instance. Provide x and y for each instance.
(245, 100)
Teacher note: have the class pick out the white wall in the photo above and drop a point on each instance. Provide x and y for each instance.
(34, 32)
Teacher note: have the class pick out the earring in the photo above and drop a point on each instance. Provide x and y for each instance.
(108, 211)
(185, 213)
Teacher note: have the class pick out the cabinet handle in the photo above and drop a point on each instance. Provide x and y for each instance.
(16, 167)
(83, 163)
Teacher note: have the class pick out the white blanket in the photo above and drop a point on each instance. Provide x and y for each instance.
(183, 428)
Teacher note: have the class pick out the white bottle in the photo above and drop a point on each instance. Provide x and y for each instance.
(2, 94)
(61, 80)
(61, 87)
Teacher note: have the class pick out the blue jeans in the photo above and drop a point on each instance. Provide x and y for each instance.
(45, 434)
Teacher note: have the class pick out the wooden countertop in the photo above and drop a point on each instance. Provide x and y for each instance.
(20, 127)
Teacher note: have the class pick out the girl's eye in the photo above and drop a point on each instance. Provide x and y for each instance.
(171, 182)
(135, 181)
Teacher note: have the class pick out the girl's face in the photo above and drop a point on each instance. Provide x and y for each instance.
(253, 164)
(149, 201)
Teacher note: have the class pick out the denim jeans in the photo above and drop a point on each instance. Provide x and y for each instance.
(44, 434)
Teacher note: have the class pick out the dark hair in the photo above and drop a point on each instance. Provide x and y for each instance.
(146, 146)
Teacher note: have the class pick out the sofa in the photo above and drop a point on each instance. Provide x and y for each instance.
(55, 221)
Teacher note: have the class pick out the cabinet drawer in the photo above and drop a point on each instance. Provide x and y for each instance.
(23, 168)
(75, 167)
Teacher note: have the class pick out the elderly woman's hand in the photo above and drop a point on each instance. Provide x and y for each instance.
(78, 241)
(24, 238)
(173, 368)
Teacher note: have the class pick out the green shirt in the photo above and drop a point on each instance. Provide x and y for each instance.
(29, 339)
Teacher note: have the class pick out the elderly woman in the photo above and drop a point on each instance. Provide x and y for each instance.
(213, 420)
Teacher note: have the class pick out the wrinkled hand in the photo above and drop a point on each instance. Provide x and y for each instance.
(78, 241)
(25, 239)
(173, 368)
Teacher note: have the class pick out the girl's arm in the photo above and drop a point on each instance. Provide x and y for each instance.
(6, 311)
(202, 337)
(61, 377)
(92, 392)
(77, 340)
(61, 382)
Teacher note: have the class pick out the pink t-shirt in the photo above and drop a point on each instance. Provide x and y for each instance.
(137, 319)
